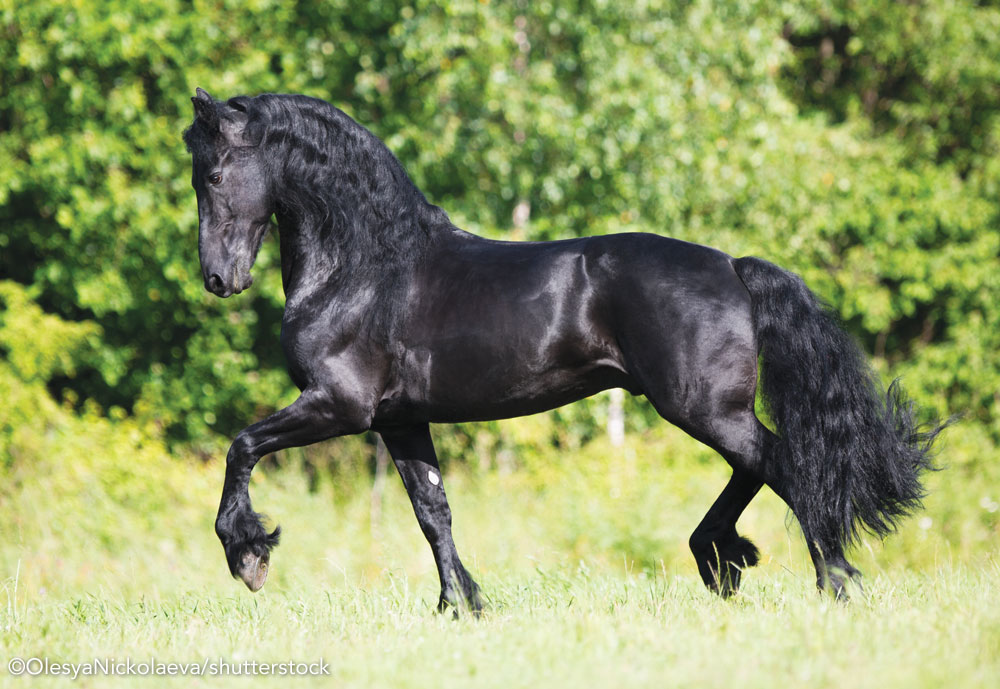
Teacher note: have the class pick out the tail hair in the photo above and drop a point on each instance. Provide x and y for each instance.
(850, 453)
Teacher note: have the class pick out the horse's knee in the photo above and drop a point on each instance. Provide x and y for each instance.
(242, 447)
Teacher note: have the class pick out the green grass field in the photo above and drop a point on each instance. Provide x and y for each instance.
(561, 628)
(109, 552)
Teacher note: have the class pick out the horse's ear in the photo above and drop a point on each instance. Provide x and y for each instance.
(236, 125)
(205, 110)
(241, 103)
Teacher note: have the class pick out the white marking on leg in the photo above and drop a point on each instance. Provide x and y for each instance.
(433, 478)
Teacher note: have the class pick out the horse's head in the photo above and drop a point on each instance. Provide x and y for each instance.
(235, 203)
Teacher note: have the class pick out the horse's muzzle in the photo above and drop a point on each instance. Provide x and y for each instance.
(215, 284)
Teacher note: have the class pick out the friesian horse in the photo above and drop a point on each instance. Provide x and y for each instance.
(396, 319)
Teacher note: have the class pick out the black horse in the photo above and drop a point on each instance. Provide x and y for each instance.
(395, 319)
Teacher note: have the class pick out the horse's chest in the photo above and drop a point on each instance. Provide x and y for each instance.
(311, 348)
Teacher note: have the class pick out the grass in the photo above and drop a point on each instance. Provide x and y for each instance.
(108, 551)
(560, 628)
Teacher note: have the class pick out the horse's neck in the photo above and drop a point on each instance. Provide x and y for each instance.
(306, 265)
(315, 257)
(312, 262)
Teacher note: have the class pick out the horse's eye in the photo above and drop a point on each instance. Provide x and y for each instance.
(214, 178)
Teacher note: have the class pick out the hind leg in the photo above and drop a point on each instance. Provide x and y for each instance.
(718, 411)
(751, 460)
(833, 571)
(699, 369)
(703, 379)
(720, 552)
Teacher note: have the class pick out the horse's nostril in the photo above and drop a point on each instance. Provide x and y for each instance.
(214, 283)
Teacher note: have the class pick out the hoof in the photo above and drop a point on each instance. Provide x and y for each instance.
(842, 582)
(461, 596)
(253, 570)
(721, 564)
(461, 604)
(248, 548)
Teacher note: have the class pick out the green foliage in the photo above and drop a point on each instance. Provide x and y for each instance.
(852, 142)
(924, 71)
(35, 358)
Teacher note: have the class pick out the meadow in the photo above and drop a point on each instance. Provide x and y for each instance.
(109, 552)
(855, 142)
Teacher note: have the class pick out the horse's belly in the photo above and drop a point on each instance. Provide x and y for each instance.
(489, 392)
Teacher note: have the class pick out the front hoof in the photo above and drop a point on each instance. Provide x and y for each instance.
(460, 604)
(462, 595)
(253, 570)
(248, 548)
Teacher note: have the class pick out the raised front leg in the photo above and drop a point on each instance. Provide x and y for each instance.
(414, 456)
(311, 418)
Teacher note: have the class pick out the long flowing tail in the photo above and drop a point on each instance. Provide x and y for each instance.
(850, 454)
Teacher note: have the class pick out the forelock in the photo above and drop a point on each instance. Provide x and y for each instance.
(200, 142)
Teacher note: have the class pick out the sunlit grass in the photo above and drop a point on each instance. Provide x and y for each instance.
(557, 628)
(582, 558)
